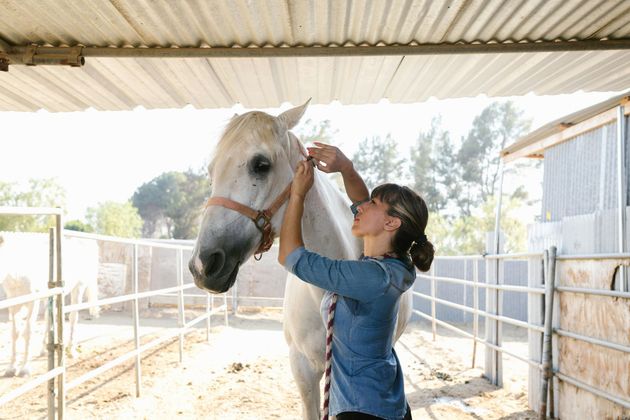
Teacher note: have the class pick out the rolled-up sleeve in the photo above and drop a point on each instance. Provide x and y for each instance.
(363, 280)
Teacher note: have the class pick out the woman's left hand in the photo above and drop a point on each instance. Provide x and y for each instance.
(303, 178)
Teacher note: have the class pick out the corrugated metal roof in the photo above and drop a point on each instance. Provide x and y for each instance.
(123, 83)
(561, 124)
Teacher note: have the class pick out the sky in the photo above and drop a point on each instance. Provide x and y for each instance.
(102, 156)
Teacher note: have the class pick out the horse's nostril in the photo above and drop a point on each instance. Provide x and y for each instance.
(212, 262)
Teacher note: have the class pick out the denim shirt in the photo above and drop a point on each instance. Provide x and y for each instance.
(366, 374)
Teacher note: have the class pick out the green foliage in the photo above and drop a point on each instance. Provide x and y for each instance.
(378, 162)
(433, 168)
(115, 219)
(172, 202)
(79, 226)
(38, 193)
(466, 235)
(498, 125)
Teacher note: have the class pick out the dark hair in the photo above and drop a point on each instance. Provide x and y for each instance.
(410, 241)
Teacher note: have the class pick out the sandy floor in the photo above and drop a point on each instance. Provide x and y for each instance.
(243, 373)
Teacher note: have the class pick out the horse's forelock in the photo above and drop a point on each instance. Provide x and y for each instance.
(253, 128)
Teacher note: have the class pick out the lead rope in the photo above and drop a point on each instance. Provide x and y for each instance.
(328, 365)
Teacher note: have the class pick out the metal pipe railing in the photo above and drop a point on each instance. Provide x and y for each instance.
(23, 389)
(55, 300)
(19, 300)
(477, 339)
(468, 309)
(589, 388)
(505, 287)
(599, 292)
(141, 349)
(550, 290)
(593, 340)
(125, 298)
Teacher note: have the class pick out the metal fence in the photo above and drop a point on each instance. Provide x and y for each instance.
(56, 365)
(495, 287)
(483, 283)
(54, 296)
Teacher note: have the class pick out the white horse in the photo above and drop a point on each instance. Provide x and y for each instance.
(24, 270)
(253, 164)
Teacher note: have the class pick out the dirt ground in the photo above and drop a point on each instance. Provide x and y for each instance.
(243, 373)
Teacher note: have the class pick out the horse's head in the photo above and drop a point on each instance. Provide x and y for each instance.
(252, 165)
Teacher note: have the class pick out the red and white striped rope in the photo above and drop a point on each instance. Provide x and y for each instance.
(329, 337)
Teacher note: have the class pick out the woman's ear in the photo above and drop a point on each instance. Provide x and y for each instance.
(392, 223)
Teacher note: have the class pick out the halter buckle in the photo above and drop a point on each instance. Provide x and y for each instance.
(262, 220)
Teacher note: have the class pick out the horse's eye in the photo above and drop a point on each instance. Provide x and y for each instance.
(259, 165)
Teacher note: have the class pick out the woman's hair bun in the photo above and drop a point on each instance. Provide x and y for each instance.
(422, 255)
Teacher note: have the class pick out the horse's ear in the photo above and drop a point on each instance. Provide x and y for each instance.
(292, 116)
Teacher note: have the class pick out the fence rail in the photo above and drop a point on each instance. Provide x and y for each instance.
(492, 342)
(55, 352)
(546, 329)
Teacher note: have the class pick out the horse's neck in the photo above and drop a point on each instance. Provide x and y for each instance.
(327, 222)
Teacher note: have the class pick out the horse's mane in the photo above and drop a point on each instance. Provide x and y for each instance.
(246, 129)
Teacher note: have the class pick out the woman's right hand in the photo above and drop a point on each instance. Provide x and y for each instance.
(334, 160)
(302, 179)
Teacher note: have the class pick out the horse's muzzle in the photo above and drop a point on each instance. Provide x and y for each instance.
(210, 271)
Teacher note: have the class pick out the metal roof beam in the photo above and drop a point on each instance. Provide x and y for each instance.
(18, 54)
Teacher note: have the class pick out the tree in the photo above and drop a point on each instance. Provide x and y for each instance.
(467, 234)
(115, 219)
(498, 124)
(78, 226)
(312, 131)
(172, 202)
(433, 168)
(378, 162)
(45, 192)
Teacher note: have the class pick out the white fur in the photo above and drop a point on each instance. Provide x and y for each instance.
(24, 270)
(326, 223)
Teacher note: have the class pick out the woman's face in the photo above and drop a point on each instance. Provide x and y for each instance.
(370, 218)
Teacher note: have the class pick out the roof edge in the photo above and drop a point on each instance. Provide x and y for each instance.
(565, 128)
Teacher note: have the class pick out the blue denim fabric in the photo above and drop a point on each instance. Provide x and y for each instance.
(366, 374)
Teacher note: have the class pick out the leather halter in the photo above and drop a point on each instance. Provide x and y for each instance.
(261, 218)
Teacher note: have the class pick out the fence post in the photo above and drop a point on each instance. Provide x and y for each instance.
(61, 392)
(180, 302)
(234, 298)
(547, 372)
(622, 198)
(536, 274)
(433, 294)
(136, 320)
(555, 322)
(493, 363)
(476, 308)
(464, 313)
(208, 315)
(50, 326)
(226, 308)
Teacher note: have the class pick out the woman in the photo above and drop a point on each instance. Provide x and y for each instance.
(367, 380)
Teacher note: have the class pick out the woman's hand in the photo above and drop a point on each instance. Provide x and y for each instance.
(303, 179)
(331, 156)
